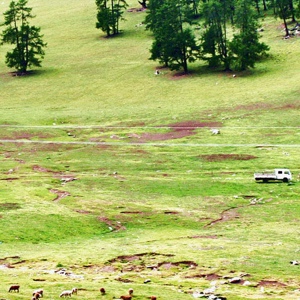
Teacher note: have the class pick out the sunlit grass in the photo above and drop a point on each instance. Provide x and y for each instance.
(190, 198)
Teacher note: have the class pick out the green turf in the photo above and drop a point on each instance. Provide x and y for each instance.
(142, 191)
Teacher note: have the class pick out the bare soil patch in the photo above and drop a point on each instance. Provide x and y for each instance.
(81, 211)
(185, 263)
(10, 261)
(180, 75)
(59, 194)
(171, 213)
(178, 130)
(63, 178)
(221, 157)
(203, 237)
(136, 9)
(209, 277)
(113, 225)
(154, 261)
(226, 215)
(10, 178)
(9, 206)
(132, 212)
(19, 135)
(272, 283)
(266, 106)
(129, 258)
(43, 170)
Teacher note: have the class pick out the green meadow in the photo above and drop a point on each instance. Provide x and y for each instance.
(111, 177)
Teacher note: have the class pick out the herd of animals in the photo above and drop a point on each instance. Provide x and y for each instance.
(39, 293)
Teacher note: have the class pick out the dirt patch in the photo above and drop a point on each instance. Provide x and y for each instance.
(210, 277)
(192, 125)
(268, 106)
(222, 157)
(136, 9)
(81, 211)
(59, 194)
(63, 178)
(10, 261)
(171, 213)
(203, 237)
(108, 269)
(10, 178)
(178, 130)
(132, 212)
(154, 261)
(169, 265)
(38, 168)
(112, 225)
(125, 280)
(226, 215)
(129, 258)
(9, 206)
(272, 283)
(180, 75)
(19, 135)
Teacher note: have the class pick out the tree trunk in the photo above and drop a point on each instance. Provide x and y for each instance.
(143, 3)
(286, 27)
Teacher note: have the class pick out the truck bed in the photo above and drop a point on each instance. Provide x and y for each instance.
(265, 175)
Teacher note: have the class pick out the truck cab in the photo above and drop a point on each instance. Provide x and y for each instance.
(283, 174)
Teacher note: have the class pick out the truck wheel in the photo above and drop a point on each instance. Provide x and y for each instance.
(265, 180)
(285, 180)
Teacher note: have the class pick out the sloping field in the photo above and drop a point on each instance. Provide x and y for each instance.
(111, 176)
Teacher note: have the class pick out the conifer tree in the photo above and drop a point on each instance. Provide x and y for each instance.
(29, 47)
(245, 45)
(109, 14)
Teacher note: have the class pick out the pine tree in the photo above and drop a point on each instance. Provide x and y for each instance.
(215, 43)
(174, 42)
(245, 45)
(109, 14)
(29, 46)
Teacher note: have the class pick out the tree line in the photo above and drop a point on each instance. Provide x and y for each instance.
(223, 33)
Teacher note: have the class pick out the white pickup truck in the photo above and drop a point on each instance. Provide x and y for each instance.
(284, 175)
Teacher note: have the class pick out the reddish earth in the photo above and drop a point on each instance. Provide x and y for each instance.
(114, 225)
(273, 283)
(203, 237)
(57, 174)
(42, 169)
(221, 157)
(19, 135)
(178, 130)
(59, 194)
(128, 258)
(226, 215)
(209, 277)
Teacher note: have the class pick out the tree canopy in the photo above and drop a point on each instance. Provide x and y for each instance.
(109, 15)
(227, 34)
(28, 44)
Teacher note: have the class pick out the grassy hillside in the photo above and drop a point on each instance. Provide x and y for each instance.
(112, 173)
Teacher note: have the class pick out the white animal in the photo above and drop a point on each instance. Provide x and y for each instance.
(215, 131)
(198, 294)
(210, 290)
(66, 294)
